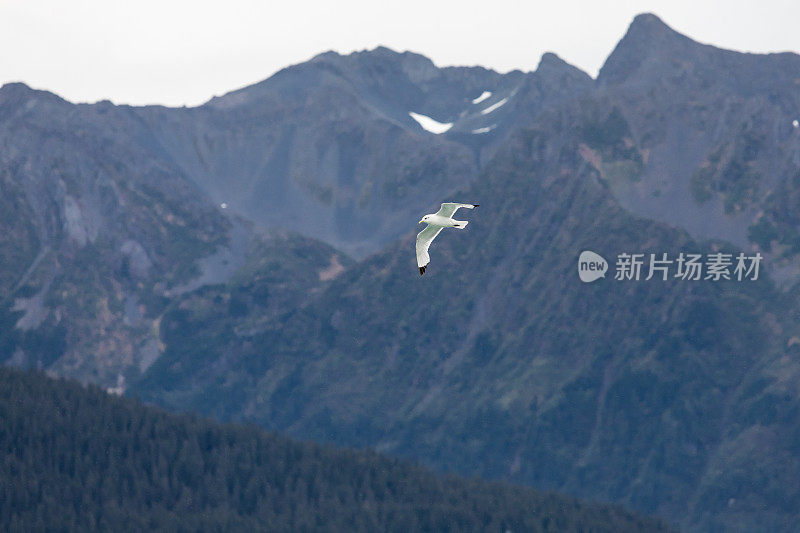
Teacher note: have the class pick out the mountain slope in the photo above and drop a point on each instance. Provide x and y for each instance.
(109, 212)
(638, 392)
(96, 228)
(76, 458)
(720, 150)
(319, 148)
(100, 230)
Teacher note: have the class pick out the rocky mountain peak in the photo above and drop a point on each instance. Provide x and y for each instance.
(647, 40)
(18, 93)
(379, 61)
(552, 66)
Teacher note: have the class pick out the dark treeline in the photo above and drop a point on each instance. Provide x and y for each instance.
(77, 458)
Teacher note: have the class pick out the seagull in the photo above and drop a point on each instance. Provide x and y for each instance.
(436, 221)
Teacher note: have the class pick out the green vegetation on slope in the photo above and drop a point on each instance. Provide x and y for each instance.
(77, 458)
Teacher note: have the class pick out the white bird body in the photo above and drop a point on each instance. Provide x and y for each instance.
(444, 222)
(436, 221)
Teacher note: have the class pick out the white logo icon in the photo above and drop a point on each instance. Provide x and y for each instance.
(591, 266)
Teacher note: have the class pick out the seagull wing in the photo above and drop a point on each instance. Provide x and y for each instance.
(424, 240)
(449, 208)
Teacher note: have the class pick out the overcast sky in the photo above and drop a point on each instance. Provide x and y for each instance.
(184, 52)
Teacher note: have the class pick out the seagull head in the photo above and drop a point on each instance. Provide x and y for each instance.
(424, 219)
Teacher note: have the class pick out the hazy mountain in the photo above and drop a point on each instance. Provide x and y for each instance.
(78, 459)
(674, 397)
(95, 230)
(322, 147)
(502, 363)
(100, 229)
(665, 395)
(110, 211)
(716, 131)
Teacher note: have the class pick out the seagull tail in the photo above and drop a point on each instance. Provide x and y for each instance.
(461, 224)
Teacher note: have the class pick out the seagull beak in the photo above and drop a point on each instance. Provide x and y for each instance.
(420, 222)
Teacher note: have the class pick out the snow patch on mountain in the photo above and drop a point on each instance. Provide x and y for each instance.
(494, 106)
(484, 95)
(429, 124)
(487, 129)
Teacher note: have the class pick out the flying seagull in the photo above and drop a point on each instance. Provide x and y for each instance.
(436, 221)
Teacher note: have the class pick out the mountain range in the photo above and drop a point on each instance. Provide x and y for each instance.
(252, 259)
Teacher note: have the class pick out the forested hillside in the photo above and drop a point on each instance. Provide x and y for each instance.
(77, 458)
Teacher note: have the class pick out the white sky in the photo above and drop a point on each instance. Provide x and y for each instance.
(184, 52)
